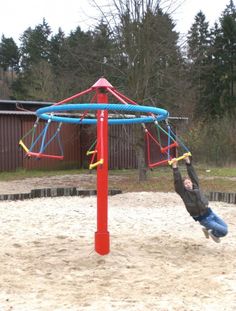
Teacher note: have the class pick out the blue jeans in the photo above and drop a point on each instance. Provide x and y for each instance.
(216, 224)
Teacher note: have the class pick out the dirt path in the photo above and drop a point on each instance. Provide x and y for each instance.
(82, 181)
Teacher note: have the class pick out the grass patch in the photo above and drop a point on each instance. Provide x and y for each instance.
(217, 171)
(159, 179)
(21, 174)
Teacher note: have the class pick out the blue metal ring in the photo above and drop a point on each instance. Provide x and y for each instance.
(158, 113)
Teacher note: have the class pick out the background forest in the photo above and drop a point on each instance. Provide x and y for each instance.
(138, 50)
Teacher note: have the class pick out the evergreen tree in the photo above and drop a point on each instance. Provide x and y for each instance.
(57, 57)
(76, 61)
(213, 59)
(9, 65)
(198, 58)
(84, 56)
(35, 52)
(9, 54)
(35, 45)
(57, 47)
(104, 47)
(228, 39)
(209, 107)
(198, 39)
(219, 98)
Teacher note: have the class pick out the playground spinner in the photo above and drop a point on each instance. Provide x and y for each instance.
(101, 90)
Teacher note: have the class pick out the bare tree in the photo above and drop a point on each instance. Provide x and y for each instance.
(147, 54)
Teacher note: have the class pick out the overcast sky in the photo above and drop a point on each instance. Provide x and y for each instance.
(17, 16)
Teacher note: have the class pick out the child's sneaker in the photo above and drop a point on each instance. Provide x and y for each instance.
(206, 232)
(214, 238)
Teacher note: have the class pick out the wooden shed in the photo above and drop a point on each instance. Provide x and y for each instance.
(17, 118)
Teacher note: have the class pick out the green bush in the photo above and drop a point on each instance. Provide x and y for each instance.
(213, 142)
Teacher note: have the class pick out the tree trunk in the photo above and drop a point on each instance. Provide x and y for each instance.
(140, 152)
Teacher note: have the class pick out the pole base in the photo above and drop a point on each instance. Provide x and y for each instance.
(102, 242)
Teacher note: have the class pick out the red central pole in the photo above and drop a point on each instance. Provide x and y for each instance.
(102, 240)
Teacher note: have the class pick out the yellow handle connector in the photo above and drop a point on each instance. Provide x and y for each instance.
(100, 162)
(23, 146)
(185, 155)
(91, 152)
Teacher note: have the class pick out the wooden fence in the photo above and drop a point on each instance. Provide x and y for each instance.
(228, 197)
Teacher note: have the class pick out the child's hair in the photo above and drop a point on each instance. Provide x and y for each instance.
(184, 178)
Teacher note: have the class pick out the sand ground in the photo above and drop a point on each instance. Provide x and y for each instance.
(159, 258)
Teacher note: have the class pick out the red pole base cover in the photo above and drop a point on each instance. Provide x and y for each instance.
(102, 243)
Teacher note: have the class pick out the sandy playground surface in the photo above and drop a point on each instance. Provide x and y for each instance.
(159, 258)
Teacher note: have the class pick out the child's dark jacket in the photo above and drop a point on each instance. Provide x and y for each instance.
(195, 202)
